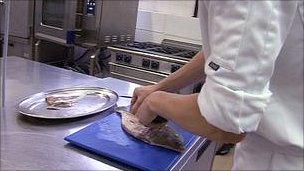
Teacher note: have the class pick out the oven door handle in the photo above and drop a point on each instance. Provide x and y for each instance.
(150, 55)
(132, 68)
(133, 78)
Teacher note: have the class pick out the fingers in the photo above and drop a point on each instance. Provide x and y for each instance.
(139, 96)
(136, 105)
(145, 115)
(134, 99)
(144, 121)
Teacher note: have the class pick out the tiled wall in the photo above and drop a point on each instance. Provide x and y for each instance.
(167, 19)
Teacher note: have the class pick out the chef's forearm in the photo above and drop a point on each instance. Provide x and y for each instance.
(183, 110)
(188, 74)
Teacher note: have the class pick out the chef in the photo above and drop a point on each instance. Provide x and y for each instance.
(252, 64)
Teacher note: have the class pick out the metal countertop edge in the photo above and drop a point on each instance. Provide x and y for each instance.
(174, 167)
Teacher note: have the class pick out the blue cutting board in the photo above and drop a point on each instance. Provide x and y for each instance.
(107, 138)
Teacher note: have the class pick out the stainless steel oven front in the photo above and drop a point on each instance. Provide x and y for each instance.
(129, 65)
(86, 22)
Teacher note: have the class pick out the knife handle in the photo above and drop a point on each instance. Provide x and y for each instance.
(126, 97)
(160, 119)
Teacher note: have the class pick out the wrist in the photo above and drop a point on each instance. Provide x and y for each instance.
(158, 87)
(162, 86)
(154, 101)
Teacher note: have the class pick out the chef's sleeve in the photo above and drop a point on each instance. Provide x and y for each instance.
(245, 38)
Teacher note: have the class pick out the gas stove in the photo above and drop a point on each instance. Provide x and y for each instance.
(169, 48)
(147, 62)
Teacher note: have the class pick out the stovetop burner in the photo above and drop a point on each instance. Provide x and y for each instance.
(166, 50)
(161, 49)
(142, 45)
(188, 54)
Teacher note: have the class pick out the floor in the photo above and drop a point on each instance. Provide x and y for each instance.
(223, 162)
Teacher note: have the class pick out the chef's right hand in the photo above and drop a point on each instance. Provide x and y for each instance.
(140, 94)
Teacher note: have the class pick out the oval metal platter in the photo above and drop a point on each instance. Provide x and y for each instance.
(87, 101)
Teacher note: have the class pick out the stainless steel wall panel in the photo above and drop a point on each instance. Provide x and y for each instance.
(21, 18)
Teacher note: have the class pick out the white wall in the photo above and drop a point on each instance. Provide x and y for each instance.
(167, 19)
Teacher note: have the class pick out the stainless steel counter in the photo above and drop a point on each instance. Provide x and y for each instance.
(35, 144)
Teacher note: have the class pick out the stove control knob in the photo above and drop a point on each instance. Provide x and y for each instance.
(127, 59)
(175, 68)
(146, 63)
(155, 65)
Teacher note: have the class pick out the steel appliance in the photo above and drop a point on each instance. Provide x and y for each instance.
(147, 63)
(87, 23)
(21, 27)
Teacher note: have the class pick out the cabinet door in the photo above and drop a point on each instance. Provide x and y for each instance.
(55, 19)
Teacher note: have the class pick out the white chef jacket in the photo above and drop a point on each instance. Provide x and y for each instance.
(254, 66)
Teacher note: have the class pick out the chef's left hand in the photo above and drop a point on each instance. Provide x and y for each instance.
(145, 112)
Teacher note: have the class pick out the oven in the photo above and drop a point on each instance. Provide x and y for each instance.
(150, 64)
(87, 23)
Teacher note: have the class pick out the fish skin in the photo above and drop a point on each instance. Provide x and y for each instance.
(158, 134)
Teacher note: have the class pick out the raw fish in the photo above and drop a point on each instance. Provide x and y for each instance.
(158, 134)
(64, 101)
(57, 101)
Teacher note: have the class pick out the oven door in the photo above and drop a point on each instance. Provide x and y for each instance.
(145, 77)
(135, 75)
(55, 20)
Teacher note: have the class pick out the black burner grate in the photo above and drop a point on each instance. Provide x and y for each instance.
(188, 54)
(167, 50)
(161, 49)
(142, 45)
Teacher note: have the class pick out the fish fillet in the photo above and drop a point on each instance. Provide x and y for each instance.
(65, 101)
(158, 134)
